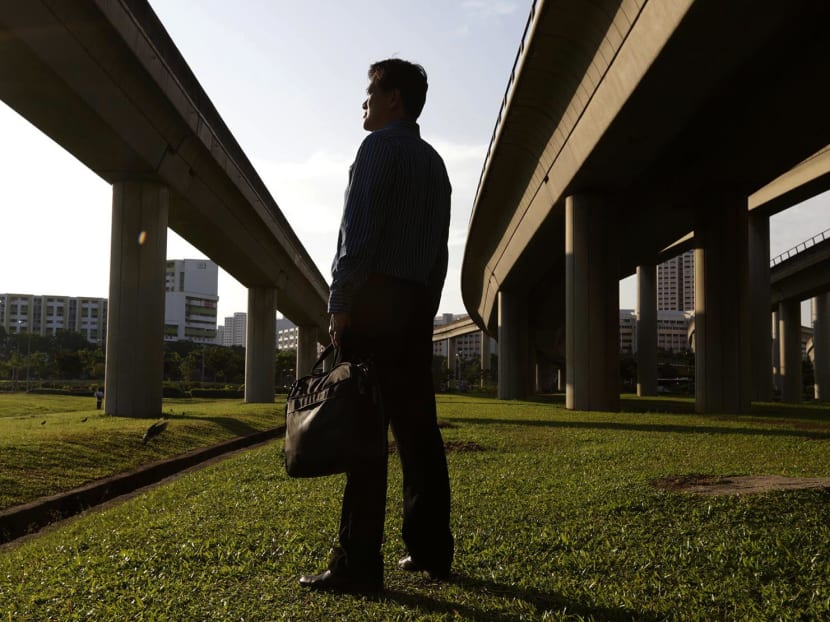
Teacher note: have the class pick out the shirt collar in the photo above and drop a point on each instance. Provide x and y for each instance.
(404, 124)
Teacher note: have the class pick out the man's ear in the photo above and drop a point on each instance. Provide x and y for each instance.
(395, 101)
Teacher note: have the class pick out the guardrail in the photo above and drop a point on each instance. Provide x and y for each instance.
(788, 254)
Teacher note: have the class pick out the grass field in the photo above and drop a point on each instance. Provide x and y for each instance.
(51, 443)
(554, 513)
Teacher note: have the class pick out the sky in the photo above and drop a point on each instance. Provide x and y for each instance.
(288, 78)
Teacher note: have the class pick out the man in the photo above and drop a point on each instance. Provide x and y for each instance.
(387, 277)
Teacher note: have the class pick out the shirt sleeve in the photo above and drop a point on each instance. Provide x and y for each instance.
(364, 215)
(438, 273)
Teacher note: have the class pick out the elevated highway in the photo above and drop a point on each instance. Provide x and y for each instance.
(106, 82)
(626, 125)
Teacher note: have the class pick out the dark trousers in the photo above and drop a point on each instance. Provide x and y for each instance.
(392, 324)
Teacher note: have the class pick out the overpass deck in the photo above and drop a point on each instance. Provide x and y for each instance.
(106, 82)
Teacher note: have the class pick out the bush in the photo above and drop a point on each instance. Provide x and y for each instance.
(174, 391)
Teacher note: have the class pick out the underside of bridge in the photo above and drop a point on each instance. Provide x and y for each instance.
(668, 116)
(105, 81)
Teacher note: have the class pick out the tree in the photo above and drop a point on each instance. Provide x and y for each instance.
(68, 364)
(285, 362)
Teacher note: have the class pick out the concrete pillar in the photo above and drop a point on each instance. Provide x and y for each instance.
(592, 306)
(260, 345)
(135, 313)
(485, 358)
(776, 353)
(306, 349)
(452, 355)
(789, 339)
(821, 346)
(760, 336)
(512, 344)
(722, 372)
(647, 330)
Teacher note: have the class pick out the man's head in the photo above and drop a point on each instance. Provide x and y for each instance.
(397, 90)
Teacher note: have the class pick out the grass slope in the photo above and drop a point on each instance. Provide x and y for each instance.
(51, 443)
(555, 519)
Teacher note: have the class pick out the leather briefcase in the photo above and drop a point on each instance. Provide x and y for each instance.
(333, 420)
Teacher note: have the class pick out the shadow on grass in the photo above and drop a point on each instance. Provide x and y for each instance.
(234, 426)
(541, 601)
(648, 427)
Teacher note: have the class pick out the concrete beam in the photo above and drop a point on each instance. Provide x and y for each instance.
(306, 349)
(821, 347)
(513, 347)
(722, 372)
(135, 316)
(484, 362)
(452, 354)
(260, 345)
(789, 338)
(592, 306)
(647, 330)
(760, 340)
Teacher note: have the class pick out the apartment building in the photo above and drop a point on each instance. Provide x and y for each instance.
(673, 330)
(676, 283)
(191, 296)
(46, 315)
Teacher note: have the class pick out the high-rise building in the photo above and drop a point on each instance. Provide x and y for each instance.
(46, 315)
(191, 287)
(467, 347)
(288, 335)
(676, 283)
(672, 330)
(233, 332)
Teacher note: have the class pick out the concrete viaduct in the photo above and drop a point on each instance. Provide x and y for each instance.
(105, 81)
(626, 125)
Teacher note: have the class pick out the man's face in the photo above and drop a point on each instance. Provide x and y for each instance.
(379, 107)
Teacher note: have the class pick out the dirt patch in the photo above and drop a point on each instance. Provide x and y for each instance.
(446, 424)
(737, 484)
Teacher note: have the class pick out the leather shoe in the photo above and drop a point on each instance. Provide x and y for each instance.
(410, 565)
(339, 582)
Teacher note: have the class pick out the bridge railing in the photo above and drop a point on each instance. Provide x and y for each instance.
(798, 248)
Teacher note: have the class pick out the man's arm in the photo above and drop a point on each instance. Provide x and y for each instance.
(364, 216)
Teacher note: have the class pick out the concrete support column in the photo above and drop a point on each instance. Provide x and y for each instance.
(452, 354)
(485, 358)
(306, 349)
(592, 306)
(776, 353)
(821, 346)
(513, 347)
(647, 330)
(135, 313)
(260, 345)
(760, 336)
(722, 372)
(789, 340)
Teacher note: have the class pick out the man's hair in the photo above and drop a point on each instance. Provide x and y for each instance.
(409, 78)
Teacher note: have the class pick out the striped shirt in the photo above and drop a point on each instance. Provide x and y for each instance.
(396, 216)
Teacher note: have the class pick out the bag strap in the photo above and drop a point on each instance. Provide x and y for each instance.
(323, 355)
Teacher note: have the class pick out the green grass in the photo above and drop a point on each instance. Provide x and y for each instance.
(555, 519)
(51, 443)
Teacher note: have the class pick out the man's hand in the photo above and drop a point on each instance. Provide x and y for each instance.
(338, 322)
